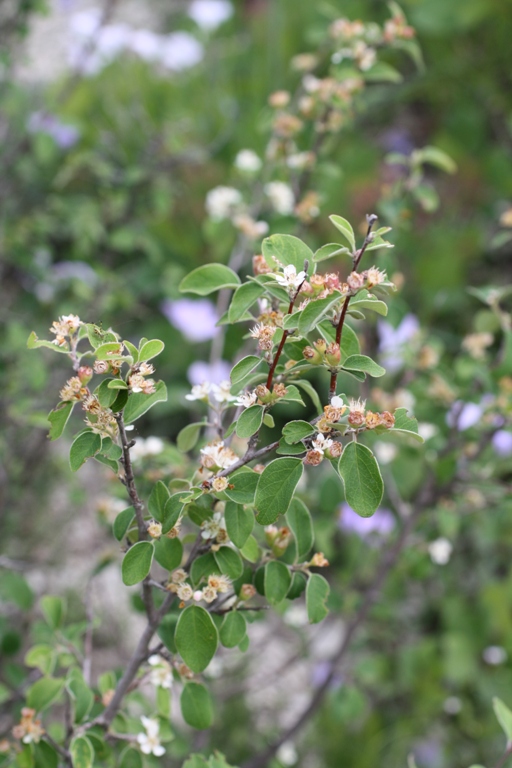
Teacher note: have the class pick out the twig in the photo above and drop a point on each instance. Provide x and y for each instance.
(285, 333)
(503, 759)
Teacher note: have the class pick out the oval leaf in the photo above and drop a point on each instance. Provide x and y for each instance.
(229, 562)
(233, 629)
(122, 523)
(137, 562)
(250, 421)
(139, 403)
(329, 251)
(168, 553)
(157, 500)
(58, 419)
(315, 311)
(277, 581)
(317, 591)
(343, 226)
(361, 477)
(504, 716)
(286, 249)
(83, 447)
(208, 279)
(196, 638)
(239, 523)
(275, 488)
(188, 436)
(364, 364)
(44, 692)
(301, 525)
(196, 706)
(82, 753)
(243, 368)
(151, 349)
(243, 298)
(244, 484)
(295, 431)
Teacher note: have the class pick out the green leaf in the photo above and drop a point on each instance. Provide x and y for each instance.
(361, 477)
(315, 311)
(244, 367)
(287, 250)
(504, 716)
(130, 758)
(139, 403)
(382, 72)
(58, 419)
(277, 581)
(157, 500)
(189, 435)
(121, 400)
(45, 756)
(208, 279)
(53, 609)
(249, 421)
(245, 482)
(364, 364)
(168, 553)
(343, 226)
(137, 562)
(202, 567)
(329, 251)
(14, 589)
(229, 562)
(239, 523)
(380, 307)
(112, 350)
(42, 657)
(116, 384)
(44, 692)
(82, 694)
(268, 421)
(378, 242)
(275, 488)
(301, 525)
(289, 449)
(311, 391)
(132, 350)
(82, 753)
(317, 591)
(233, 629)
(243, 298)
(151, 349)
(173, 509)
(105, 394)
(122, 523)
(295, 431)
(83, 447)
(437, 157)
(97, 336)
(292, 396)
(251, 550)
(196, 638)
(33, 342)
(196, 706)
(403, 421)
(298, 586)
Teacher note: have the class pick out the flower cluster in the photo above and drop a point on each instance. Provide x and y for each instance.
(161, 672)
(323, 447)
(150, 740)
(278, 539)
(221, 392)
(215, 528)
(216, 584)
(359, 417)
(217, 456)
(137, 381)
(28, 729)
(290, 278)
(65, 328)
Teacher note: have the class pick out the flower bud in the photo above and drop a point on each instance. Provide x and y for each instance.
(318, 560)
(281, 541)
(387, 419)
(263, 394)
(154, 529)
(312, 356)
(372, 420)
(333, 354)
(247, 591)
(101, 366)
(219, 484)
(320, 345)
(85, 374)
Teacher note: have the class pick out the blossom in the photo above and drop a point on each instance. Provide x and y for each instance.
(290, 279)
(374, 276)
(476, 343)
(181, 51)
(151, 446)
(154, 529)
(212, 526)
(199, 392)
(209, 14)
(247, 160)
(28, 729)
(217, 456)
(502, 442)
(221, 202)
(196, 319)
(184, 591)
(222, 392)
(321, 443)
(280, 196)
(440, 551)
(463, 416)
(161, 674)
(494, 655)
(264, 334)
(149, 741)
(337, 402)
(219, 582)
(246, 399)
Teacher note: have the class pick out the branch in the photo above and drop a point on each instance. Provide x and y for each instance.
(285, 333)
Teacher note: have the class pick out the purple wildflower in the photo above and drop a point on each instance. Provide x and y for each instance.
(64, 135)
(463, 417)
(393, 340)
(194, 318)
(502, 442)
(199, 372)
(381, 523)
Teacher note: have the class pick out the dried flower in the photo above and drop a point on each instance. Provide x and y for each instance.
(219, 484)
(357, 412)
(72, 390)
(179, 576)
(313, 457)
(318, 560)
(154, 529)
(387, 419)
(372, 420)
(101, 366)
(184, 592)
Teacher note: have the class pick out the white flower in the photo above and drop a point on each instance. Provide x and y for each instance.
(222, 201)
(149, 741)
(440, 551)
(281, 197)
(452, 705)
(152, 446)
(212, 526)
(290, 278)
(222, 393)
(427, 430)
(198, 595)
(209, 14)
(161, 675)
(246, 399)
(287, 754)
(248, 161)
(337, 402)
(321, 443)
(146, 44)
(216, 455)
(385, 452)
(299, 160)
(200, 392)
(494, 655)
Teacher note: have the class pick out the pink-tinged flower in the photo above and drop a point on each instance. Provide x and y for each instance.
(195, 319)
(463, 417)
(64, 135)
(380, 524)
(502, 442)
(393, 340)
(200, 372)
